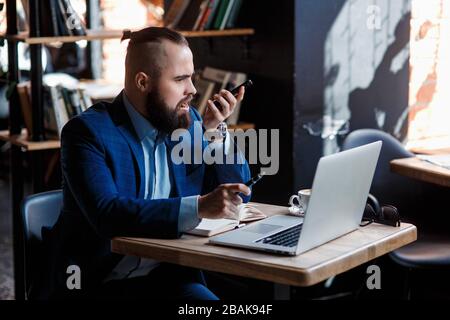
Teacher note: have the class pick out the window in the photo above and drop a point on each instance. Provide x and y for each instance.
(429, 92)
(119, 15)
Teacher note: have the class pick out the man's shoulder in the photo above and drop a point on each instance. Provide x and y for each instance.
(94, 121)
(97, 112)
(97, 115)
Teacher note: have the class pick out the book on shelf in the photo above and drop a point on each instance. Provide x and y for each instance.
(57, 108)
(208, 82)
(54, 118)
(62, 104)
(175, 12)
(24, 92)
(100, 89)
(75, 26)
(233, 16)
(210, 227)
(210, 13)
(85, 99)
(60, 17)
(211, 81)
(22, 16)
(51, 118)
(199, 15)
(226, 16)
(63, 97)
(56, 18)
(222, 14)
(205, 90)
(218, 75)
(189, 18)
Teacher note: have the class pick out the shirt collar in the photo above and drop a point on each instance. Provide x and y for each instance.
(141, 125)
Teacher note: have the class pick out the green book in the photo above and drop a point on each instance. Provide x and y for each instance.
(231, 22)
(220, 14)
(226, 15)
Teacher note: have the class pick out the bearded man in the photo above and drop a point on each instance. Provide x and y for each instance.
(119, 178)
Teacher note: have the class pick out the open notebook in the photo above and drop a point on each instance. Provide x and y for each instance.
(210, 227)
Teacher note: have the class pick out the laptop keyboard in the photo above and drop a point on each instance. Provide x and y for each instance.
(287, 238)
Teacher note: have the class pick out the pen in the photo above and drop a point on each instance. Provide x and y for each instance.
(254, 180)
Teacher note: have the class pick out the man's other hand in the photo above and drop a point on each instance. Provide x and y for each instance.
(222, 202)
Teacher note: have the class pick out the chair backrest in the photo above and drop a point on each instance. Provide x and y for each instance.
(389, 187)
(38, 211)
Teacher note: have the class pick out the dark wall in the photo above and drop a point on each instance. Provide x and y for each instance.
(312, 23)
(386, 92)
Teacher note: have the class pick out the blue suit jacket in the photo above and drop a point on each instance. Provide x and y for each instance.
(103, 191)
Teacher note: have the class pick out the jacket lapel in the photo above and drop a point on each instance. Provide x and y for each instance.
(125, 127)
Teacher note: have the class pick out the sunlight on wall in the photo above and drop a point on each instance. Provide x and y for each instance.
(366, 54)
(429, 94)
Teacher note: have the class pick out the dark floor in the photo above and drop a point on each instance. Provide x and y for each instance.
(6, 266)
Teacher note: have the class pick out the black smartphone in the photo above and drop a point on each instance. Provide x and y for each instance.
(247, 84)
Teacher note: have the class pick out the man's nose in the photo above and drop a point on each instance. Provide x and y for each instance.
(191, 88)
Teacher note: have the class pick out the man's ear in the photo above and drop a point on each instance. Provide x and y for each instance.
(142, 82)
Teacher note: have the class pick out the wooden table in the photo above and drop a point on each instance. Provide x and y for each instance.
(421, 170)
(307, 269)
(430, 151)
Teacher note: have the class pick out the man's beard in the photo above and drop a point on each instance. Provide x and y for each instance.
(162, 117)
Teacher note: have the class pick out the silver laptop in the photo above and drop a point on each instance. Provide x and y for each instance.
(338, 197)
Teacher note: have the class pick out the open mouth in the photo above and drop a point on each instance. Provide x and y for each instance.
(184, 106)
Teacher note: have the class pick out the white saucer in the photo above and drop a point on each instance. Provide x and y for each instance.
(295, 211)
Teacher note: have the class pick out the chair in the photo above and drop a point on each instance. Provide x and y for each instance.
(432, 249)
(38, 211)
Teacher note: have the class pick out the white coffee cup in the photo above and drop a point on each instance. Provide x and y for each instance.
(302, 198)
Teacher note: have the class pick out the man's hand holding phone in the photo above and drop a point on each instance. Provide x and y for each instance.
(222, 105)
(227, 102)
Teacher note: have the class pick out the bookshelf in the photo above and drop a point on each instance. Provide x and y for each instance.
(21, 140)
(117, 34)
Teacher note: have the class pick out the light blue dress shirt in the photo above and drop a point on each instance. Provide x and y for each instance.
(156, 167)
(157, 186)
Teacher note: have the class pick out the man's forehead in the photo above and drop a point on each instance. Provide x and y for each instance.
(178, 57)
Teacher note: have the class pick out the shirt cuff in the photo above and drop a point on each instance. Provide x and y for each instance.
(188, 217)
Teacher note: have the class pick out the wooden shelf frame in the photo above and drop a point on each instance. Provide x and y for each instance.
(117, 34)
(23, 139)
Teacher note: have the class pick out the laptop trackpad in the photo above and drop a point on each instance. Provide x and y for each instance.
(262, 228)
